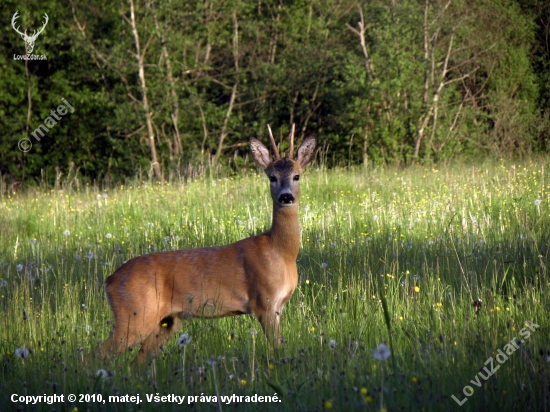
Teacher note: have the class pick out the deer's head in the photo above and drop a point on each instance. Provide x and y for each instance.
(29, 40)
(283, 173)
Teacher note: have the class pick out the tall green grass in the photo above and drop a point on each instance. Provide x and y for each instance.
(458, 254)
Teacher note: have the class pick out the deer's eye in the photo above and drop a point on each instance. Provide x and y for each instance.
(296, 177)
(272, 179)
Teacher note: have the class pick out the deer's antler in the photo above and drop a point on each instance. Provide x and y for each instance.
(291, 150)
(275, 150)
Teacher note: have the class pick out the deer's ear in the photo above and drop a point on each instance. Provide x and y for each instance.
(260, 154)
(306, 151)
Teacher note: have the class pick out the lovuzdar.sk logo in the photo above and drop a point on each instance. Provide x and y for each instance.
(29, 40)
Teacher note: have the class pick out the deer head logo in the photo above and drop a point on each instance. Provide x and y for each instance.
(29, 40)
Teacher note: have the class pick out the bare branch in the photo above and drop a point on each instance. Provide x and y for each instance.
(361, 33)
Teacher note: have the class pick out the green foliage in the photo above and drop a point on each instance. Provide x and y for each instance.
(298, 62)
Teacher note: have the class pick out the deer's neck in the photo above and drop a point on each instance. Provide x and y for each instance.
(285, 230)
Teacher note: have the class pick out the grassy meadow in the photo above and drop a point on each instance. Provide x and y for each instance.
(443, 265)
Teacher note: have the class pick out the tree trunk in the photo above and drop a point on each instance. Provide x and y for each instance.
(174, 96)
(145, 102)
(223, 133)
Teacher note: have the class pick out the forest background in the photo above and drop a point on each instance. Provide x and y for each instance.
(175, 87)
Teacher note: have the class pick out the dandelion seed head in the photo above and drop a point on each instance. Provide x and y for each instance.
(184, 340)
(324, 265)
(382, 352)
(66, 233)
(102, 373)
(3, 283)
(22, 352)
(537, 202)
(90, 255)
(108, 236)
(19, 267)
(332, 344)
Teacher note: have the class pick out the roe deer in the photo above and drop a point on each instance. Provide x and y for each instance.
(151, 294)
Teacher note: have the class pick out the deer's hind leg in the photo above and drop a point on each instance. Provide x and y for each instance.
(130, 330)
(158, 337)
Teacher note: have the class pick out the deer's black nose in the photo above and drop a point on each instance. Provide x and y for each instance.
(286, 199)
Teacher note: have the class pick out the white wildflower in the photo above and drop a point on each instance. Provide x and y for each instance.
(332, 344)
(184, 340)
(382, 352)
(22, 352)
(102, 373)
